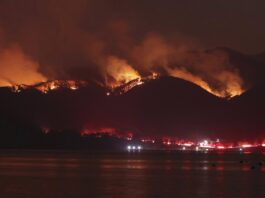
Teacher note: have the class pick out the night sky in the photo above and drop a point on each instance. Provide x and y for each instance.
(237, 24)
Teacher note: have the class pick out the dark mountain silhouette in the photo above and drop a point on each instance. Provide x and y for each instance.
(161, 107)
(249, 111)
(172, 106)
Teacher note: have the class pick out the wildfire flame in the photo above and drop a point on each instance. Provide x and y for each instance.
(56, 84)
(132, 84)
(183, 74)
(126, 84)
(51, 85)
(124, 77)
(120, 72)
(233, 86)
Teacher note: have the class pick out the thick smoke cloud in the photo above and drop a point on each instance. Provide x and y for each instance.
(82, 39)
(181, 58)
(18, 68)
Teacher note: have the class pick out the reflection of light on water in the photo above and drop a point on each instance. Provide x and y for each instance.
(205, 168)
(123, 164)
(245, 168)
(136, 164)
(168, 164)
(247, 152)
(220, 168)
(187, 165)
(135, 167)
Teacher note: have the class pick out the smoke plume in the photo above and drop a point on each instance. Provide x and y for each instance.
(18, 68)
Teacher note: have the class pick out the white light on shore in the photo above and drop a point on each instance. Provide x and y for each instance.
(134, 147)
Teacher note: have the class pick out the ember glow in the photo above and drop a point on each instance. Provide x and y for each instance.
(124, 88)
(99, 132)
(56, 84)
(124, 82)
(45, 87)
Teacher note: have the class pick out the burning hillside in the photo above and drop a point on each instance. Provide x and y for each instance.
(124, 88)
(54, 85)
(211, 70)
(45, 87)
(116, 88)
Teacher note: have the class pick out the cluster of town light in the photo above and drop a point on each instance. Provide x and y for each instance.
(203, 145)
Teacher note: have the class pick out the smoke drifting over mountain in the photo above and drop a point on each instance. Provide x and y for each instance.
(109, 42)
(17, 68)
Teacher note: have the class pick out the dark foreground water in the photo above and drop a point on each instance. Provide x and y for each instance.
(56, 174)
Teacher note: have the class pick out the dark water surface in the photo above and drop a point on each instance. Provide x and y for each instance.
(54, 174)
